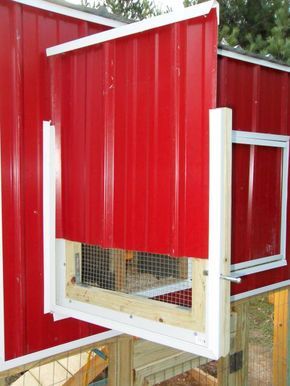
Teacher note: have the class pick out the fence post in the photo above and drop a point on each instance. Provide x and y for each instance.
(281, 338)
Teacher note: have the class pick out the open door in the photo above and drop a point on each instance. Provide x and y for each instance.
(142, 182)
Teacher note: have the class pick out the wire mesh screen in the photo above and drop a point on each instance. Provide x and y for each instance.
(261, 333)
(144, 274)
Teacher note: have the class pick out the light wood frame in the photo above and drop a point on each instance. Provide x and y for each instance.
(192, 318)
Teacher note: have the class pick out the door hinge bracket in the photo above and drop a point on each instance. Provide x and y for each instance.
(236, 361)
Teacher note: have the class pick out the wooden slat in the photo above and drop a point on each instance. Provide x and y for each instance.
(280, 348)
(121, 361)
(239, 342)
(154, 363)
(199, 293)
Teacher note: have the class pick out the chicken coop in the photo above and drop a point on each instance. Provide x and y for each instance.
(144, 178)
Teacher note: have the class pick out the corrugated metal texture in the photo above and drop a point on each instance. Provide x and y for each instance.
(25, 32)
(260, 99)
(132, 124)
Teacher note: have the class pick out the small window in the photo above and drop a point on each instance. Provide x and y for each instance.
(260, 180)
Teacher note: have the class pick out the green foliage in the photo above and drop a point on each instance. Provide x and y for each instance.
(131, 9)
(259, 26)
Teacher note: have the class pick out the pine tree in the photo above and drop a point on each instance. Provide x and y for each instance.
(130, 9)
(259, 26)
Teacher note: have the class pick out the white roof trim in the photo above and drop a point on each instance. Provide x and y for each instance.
(134, 28)
(62, 10)
(251, 59)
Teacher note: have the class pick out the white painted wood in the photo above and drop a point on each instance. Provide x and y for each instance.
(261, 290)
(259, 268)
(250, 59)
(166, 289)
(251, 263)
(218, 311)
(284, 202)
(66, 11)
(259, 142)
(135, 28)
(48, 211)
(238, 135)
(49, 219)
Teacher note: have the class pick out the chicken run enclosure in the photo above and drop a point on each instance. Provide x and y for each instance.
(144, 176)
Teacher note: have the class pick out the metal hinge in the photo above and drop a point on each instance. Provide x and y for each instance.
(236, 361)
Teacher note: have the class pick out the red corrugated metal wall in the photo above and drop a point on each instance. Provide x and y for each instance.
(25, 33)
(260, 99)
(132, 125)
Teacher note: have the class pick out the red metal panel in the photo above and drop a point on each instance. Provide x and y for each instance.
(25, 32)
(133, 132)
(256, 214)
(258, 97)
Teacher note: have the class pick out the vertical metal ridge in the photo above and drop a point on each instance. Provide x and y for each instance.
(285, 114)
(176, 138)
(55, 70)
(222, 97)
(134, 135)
(250, 201)
(109, 122)
(156, 135)
(16, 174)
(256, 97)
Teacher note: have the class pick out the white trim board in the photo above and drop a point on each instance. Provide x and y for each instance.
(201, 9)
(260, 290)
(66, 11)
(253, 60)
(49, 193)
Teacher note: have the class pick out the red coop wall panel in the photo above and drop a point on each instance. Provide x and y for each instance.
(259, 97)
(25, 33)
(132, 124)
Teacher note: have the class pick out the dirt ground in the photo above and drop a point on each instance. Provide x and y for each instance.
(181, 380)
